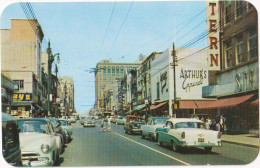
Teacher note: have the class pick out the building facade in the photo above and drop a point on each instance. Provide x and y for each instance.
(21, 61)
(236, 85)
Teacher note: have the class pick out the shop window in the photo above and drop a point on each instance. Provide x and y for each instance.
(228, 54)
(239, 49)
(239, 8)
(19, 84)
(228, 14)
(252, 42)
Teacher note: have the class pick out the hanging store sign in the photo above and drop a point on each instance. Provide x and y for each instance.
(213, 28)
(192, 78)
(22, 97)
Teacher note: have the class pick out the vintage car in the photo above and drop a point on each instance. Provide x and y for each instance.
(113, 119)
(132, 125)
(66, 127)
(89, 121)
(72, 119)
(58, 130)
(10, 141)
(187, 132)
(148, 130)
(82, 119)
(40, 146)
(121, 120)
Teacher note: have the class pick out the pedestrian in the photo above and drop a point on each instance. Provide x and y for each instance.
(109, 124)
(202, 119)
(218, 126)
(102, 128)
(207, 125)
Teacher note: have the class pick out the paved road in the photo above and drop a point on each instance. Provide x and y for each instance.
(90, 147)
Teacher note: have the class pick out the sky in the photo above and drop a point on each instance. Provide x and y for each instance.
(85, 33)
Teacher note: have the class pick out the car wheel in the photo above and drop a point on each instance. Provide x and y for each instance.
(208, 149)
(175, 147)
(143, 137)
(151, 138)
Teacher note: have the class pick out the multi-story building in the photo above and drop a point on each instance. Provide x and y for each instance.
(67, 106)
(106, 72)
(236, 84)
(21, 61)
(7, 90)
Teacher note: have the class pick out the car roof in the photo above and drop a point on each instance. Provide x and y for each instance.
(7, 117)
(154, 118)
(34, 119)
(176, 120)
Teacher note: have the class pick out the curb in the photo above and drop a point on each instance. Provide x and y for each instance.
(243, 144)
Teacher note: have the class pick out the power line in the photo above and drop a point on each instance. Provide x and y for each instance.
(120, 28)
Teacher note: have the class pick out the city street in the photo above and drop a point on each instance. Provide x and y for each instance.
(90, 147)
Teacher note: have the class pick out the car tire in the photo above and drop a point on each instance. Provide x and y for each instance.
(175, 147)
(143, 137)
(208, 149)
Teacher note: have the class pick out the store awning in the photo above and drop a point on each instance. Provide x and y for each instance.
(154, 107)
(25, 103)
(139, 107)
(227, 102)
(194, 104)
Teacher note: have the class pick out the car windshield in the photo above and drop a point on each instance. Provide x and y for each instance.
(89, 118)
(33, 126)
(160, 121)
(189, 125)
(62, 122)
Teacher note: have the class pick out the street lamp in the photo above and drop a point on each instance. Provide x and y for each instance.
(51, 58)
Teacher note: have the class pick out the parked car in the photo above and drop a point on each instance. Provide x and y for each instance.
(72, 119)
(40, 146)
(66, 127)
(121, 120)
(82, 119)
(187, 132)
(149, 129)
(10, 141)
(132, 125)
(96, 117)
(113, 119)
(58, 130)
(89, 121)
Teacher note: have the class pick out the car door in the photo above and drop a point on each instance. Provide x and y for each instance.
(166, 138)
(150, 126)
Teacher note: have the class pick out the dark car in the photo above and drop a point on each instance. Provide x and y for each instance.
(10, 141)
(133, 127)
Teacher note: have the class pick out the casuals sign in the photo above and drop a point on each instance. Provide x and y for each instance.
(213, 35)
(22, 97)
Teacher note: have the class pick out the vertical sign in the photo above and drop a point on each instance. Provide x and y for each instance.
(213, 28)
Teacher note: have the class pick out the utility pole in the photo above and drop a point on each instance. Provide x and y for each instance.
(50, 61)
(175, 63)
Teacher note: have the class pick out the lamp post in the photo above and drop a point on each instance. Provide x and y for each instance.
(51, 58)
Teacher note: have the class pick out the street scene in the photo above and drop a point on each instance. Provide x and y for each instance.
(129, 83)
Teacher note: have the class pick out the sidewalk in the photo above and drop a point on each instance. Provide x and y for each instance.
(251, 140)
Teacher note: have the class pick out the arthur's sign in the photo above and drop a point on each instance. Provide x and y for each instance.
(213, 27)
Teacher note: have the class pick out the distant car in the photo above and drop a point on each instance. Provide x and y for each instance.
(10, 141)
(96, 117)
(72, 119)
(121, 120)
(113, 119)
(149, 129)
(89, 121)
(106, 119)
(187, 132)
(82, 119)
(39, 144)
(66, 127)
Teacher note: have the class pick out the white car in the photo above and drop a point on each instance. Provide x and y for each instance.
(187, 132)
(40, 147)
(148, 130)
(89, 121)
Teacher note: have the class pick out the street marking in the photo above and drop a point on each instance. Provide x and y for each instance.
(187, 164)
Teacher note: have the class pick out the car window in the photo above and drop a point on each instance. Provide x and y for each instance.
(149, 122)
(169, 125)
(62, 122)
(33, 126)
(160, 121)
(10, 135)
(190, 125)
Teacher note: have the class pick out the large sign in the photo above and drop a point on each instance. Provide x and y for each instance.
(213, 27)
(22, 97)
(193, 78)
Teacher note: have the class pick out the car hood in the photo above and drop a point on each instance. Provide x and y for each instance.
(33, 141)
